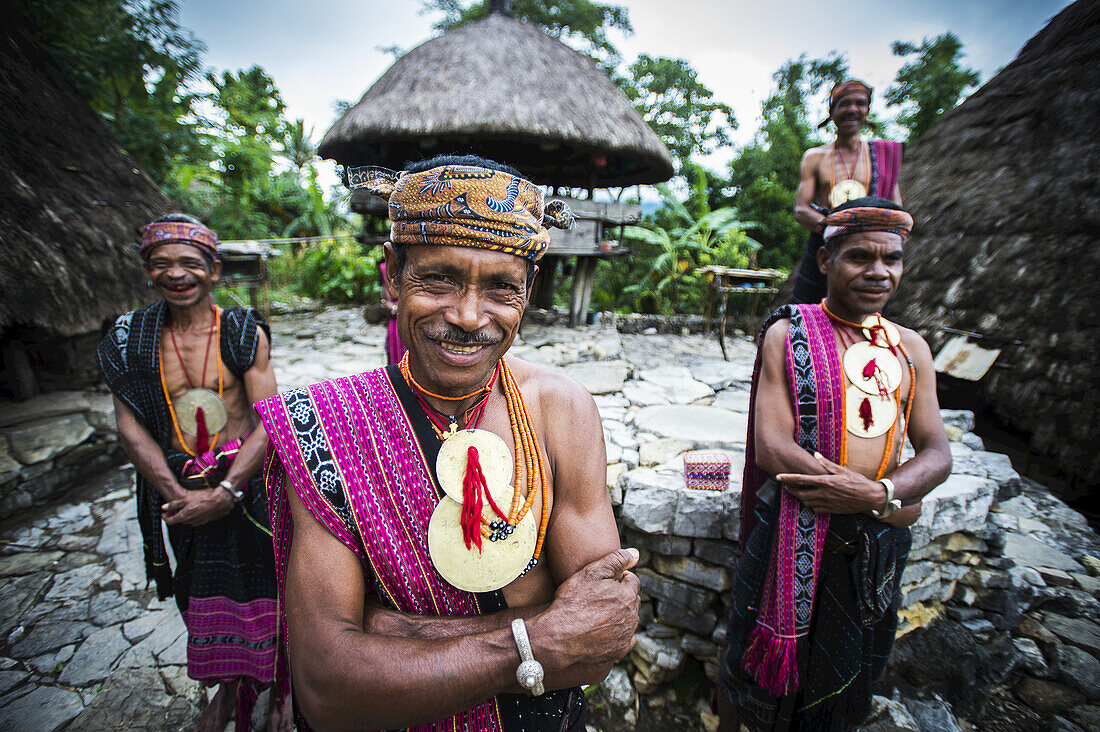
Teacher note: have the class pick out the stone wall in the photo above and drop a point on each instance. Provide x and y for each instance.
(51, 442)
(688, 544)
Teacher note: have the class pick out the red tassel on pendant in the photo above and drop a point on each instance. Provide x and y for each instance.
(473, 484)
(865, 413)
(202, 438)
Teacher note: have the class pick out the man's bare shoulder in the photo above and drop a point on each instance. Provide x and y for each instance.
(551, 388)
(776, 334)
(915, 345)
(815, 154)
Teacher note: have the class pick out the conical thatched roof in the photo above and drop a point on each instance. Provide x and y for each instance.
(71, 201)
(502, 88)
(1005, 193)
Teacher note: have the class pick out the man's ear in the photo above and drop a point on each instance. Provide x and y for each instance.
(216, 271)
(823, 259)
(391, 278)
(530, 286)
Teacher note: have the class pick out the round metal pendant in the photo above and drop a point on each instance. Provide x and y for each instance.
(887, 368)
(213, 408)
(492, 454)
(883, 413)
(888, 329)
(846, 190)
(496, 565)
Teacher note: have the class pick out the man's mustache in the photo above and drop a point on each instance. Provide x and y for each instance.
(478, 337)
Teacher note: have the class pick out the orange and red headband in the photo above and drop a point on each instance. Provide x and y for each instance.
(177, 232)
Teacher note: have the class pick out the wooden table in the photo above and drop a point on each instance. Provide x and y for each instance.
(726, 281)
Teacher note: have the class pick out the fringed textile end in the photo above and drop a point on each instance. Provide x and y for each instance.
(772, 661)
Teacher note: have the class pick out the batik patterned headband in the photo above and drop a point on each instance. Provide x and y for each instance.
(840, 90)
(867, 218)
(177, 232)
(467, 206)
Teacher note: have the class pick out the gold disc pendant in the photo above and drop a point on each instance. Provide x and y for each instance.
(495, 566)
(492, 454)
(887, 367)
(872, 420)
(846, 190)
(213, 409)
(888, 329)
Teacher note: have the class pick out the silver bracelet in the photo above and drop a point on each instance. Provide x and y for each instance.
(892, 504)
(228, 487)
(530, 673)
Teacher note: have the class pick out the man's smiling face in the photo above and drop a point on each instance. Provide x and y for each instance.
(459, 309)
(850, 112)
(181, 273)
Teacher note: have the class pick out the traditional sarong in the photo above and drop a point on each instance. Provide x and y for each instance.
(360, 453)
(810, 285)
(224, 578)
(828, 583)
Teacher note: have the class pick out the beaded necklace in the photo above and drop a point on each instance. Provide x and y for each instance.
(875, 332)
(217, 331)
(530, 469)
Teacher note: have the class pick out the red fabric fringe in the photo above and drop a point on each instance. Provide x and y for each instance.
(473, 485)
(772, 661)
(865, 413)
(202, 439)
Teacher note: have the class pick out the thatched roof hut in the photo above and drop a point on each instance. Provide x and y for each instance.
(502, 88)
(72, 202)
(1007, 239)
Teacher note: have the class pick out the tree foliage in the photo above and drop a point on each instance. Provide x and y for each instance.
(931, 84)
(134, 64)
(582, 24)
(681, 110)
(765, 173)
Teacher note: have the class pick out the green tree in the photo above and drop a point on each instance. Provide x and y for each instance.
(134, 64)
(930, 85)
(681, 110)
(765, 174)
(582, 24)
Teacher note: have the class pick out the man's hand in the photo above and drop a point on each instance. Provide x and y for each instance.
(198, 507)
(840, 490)
(593, 616)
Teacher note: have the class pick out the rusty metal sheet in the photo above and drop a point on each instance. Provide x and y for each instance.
(964, 360)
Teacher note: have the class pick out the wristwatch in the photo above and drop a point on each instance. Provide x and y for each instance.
(236, 494)
(530, 673)
(892, 504)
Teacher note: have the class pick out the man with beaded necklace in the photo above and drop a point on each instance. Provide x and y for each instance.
(826, 497)
(849, 167)
(427, 583)
(183, 374)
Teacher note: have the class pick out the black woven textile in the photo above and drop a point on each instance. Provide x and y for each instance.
(851, 633)
(231, 557)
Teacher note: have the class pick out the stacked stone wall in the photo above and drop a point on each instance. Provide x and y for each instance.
(52, 443)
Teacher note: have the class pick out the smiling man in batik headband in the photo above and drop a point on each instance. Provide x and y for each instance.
(442, 520)
(848, 167)
(826, 504)
(184, 375)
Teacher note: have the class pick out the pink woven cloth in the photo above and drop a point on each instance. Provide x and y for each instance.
(786, 606)
(347, 449)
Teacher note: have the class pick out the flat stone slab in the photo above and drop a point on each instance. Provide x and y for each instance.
(599, 377)
(1032, 553)
(1077, 632)
(33, 442)
(95, 657)
(700, 425)
(45, 709)
(719, 374)
(676, 383)
(52, 404)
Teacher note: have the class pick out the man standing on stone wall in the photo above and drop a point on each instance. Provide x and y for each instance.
(184, 374)
(848, 167)
(826, 501)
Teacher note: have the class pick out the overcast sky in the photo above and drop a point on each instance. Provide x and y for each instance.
(324, 50)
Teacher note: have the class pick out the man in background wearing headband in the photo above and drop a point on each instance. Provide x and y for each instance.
(826, 501)
(847, 168)
(445, 541)
(184, 375)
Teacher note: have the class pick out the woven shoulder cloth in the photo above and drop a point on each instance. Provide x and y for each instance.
(347, 450)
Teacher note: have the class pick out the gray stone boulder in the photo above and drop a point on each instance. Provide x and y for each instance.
(961, 503)
(599, 377)
(42, 439)
(659, 503)
(703, 426)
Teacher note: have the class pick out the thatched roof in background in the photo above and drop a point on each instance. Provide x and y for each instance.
(72, 202)
(502, 88)
(1005, 192)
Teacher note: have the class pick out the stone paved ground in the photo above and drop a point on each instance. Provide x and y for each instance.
(85, 646)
